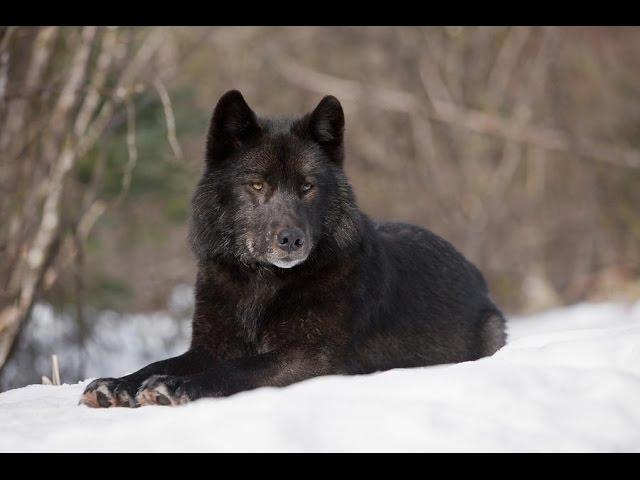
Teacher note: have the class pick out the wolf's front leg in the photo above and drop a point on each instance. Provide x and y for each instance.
(121, 392)
(275, 369)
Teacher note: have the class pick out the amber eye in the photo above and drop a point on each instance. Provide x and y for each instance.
(306, 187)
(257, 185)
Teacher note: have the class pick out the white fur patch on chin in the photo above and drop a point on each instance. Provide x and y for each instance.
(286, 263)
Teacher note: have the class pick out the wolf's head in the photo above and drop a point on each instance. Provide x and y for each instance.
(273, 190)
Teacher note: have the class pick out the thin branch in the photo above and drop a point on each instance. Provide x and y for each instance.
(4, 63)
(505, 64)
(132, 150)
(18, 109)
(8, 33)
(4, 77)
(168, 115)
(91, 99)
(522, 111)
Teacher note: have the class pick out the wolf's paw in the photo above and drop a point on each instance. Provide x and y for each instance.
(163, 390)
(109, 392)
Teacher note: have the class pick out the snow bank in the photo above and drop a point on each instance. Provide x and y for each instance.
(569, 380)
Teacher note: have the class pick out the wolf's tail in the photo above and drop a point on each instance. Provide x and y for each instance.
(493, 332)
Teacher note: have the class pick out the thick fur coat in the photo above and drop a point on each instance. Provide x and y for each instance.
(294, 281)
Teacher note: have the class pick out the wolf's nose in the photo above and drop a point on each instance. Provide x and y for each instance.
(290, 239)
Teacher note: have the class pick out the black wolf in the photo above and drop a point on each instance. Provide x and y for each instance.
(295, 281)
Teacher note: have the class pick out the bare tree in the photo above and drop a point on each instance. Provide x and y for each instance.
(51, 116)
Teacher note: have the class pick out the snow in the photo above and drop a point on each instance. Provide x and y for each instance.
(569, 380)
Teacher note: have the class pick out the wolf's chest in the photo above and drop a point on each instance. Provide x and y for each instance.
(268, 327)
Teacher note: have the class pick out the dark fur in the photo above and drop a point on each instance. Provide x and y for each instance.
(366, 296)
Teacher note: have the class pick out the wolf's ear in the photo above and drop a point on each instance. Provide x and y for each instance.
(326, 125)
(232, 124)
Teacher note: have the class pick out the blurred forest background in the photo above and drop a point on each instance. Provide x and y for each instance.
(520, 145)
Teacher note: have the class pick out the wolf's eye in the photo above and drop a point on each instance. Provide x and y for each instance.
(306, 187)
(257, 185)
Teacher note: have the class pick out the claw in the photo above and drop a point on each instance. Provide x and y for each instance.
(160, 390)
(106, 393)
(103, 400)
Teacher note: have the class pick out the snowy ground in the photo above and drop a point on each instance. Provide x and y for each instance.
(569, 380)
